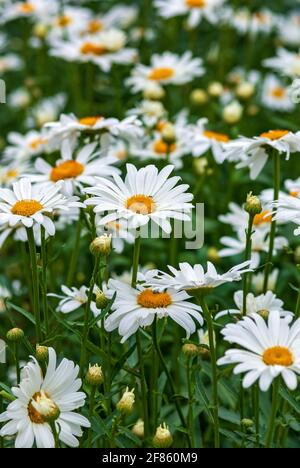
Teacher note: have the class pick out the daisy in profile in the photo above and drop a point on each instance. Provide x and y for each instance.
(135, 308)
(73, 171)
(268, 350)
(74, 298)
(286, 63)
(103, 49)
(288, 211)
(238, 218)
(196, 10)
(194, 279)
(44, 400)
(23, 147)
(202, 140)
(11, 172)
(252, 151)
(165, 69)
(145, 195)
(293, 187)
(71, 127)
(29, 205)
(262, 304)
(275, 95)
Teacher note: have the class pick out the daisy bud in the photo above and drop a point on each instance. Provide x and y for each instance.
(101, 245)
(190, 349)
(46, 407)
(247, 423)
(200, 165)
(253, 205)
(40, 30)
(154, 91)
(245, 90)
(163, 437)
(198, 97)
(138, 429)
(215, 89)
(41, 353)
(264, 313)
(15, 335)
(168, 134)
(125, 405)
(297, 254)
(101, 299)
(233, 112)
(94, 376)
(213, 255)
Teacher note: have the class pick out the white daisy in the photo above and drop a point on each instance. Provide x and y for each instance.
(135, 308)
(286, 62)
(293, 187)
(28, 205)
(145, 195)
(275, 95)
(288, 211)
(10, 62)
(22, 147)
(258, 281)
(238, 218)
(73, 171)
(201, 140)
(289, 29)
(197, 10)
(47, 110)
(37, 397)
(36, 9)
(262, 305)
(11, 172)
(164, 69)
(269, 350)
(150, 112)
(73, 299)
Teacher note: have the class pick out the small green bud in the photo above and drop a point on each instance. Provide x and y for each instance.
(15, 335)
(94, 376)
(253, 205)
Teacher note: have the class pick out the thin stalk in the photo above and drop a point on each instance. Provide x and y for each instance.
(87, 316)
(271, 427)
(1, 411)
(170, 381)
(44, 280)
(190, 403)
(55, 434)
(75, 254)
(136, 258)
(214, 370)
(35, 284)
(255, 399)
(91, 410)
(17, 363)
(276, 178)
(247, 257)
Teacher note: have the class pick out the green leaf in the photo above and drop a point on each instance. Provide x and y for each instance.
(22, 311)
(286, 395)
(203, 398)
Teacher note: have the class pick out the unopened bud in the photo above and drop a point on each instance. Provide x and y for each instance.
(213, 255)
(253, 205)
(15, 335)
(125, 404)
(94, 376)
(200, 165)
(247, 423)
(233, 112)
(138, 429)
(168, 134)
(215, 89)
(198, 97)
(163, 437)
(190, 349)
(153, 91)
(41, 353)
(101, 299)
(101, 245)
(245, 90)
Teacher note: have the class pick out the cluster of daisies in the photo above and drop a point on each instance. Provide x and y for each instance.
(141, 125)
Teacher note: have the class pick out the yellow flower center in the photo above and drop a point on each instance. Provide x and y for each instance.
(140, 204)
(160, 147)
(93, 49)
(278, 355)
(278, 92)
(274, 134)
(94, 26)
(163, 73)
(26, 207)
(196, 3)
(294, 193)
(26, 8)
(153, 300)
(121, 154)
(160, 125)
(113, 225)
(63, 21)
(66, 170)
(90, 121)
(221, 137)
(36, 142)
(263, 217)
(33, 414)
(12, 174)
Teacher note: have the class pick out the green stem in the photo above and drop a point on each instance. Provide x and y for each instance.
(55, 435)
(16, 356)
(44, 280)
(75, 253)
(87, 316)
(255, 398)
(154, 389)
(214, 370)
(276, 177)
(35, 284)
(136, 258)
(1, 411)
(170, 380)
(91, 410)
(144, 390)
(271, 427)
(190, 396)
(247, 257)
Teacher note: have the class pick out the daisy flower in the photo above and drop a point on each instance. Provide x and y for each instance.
(286, 62)
(73, 172)
(258, 281)
(238, 218)
(135, 308)
(73, 299)
(118, 16)
(262, 305)
(68, 22)
(193, 279)
(23, 147)
(150, 112)
(275, 95)
(145, 195)
(268, 349)
(103, 49)
(47, 110)
(164, 69)
(11, 172)
(197, 10)
(28, 205)
(293, 187)
(10, 62)
(39, 398)
(202, 140)
(288, 211)
(288, 29)
(36, 9)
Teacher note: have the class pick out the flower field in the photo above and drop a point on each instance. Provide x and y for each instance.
(149, 224)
